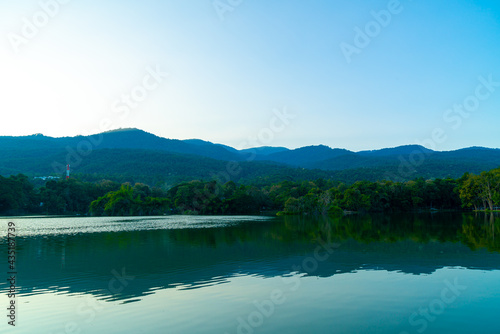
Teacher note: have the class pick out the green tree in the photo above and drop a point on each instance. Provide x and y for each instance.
(469, 191)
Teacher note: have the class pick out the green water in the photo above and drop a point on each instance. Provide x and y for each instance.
(432, 273)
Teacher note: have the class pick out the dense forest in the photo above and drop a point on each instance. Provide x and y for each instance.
(20, 195)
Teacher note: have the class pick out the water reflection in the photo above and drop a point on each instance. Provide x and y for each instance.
(126, 265)
(479, 234)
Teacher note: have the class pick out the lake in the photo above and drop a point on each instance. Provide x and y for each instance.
(413, 273)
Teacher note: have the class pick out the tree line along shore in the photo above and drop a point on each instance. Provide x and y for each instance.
(20, 196)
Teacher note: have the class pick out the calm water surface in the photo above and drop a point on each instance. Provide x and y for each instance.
(425, 273)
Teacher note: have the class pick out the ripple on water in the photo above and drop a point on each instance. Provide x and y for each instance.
(50, 226)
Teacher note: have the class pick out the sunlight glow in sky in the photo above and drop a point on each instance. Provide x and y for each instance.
(354, 74)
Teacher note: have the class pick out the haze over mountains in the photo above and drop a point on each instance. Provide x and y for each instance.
(135, 155)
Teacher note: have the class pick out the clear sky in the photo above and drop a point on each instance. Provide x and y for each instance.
(353, 74)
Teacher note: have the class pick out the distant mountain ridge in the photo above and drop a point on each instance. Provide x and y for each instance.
(405, 149)
(37, 155)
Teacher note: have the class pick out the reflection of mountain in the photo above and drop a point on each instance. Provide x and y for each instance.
(193, 258)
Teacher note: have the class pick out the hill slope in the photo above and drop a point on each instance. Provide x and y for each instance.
(135, 155)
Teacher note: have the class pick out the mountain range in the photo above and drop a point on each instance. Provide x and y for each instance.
(137, 156)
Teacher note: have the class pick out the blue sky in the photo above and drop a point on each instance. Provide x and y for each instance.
(81, 67)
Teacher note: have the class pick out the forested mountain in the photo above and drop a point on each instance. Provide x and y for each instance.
(400, 150)
(137, 139)
(137, 156)
(155, 167)
(263, 150)
(306, 156)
